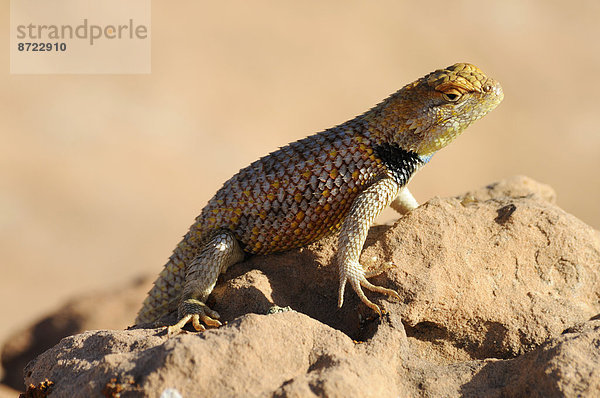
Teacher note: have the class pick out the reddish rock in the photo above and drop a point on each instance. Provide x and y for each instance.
(498, 287)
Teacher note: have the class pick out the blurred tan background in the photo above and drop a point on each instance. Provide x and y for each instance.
(101, 175)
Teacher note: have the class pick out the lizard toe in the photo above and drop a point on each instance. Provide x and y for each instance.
(379, 289)
(195, 311)
(174, 329)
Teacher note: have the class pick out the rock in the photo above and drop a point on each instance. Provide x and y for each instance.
(567, 366)
(498, 287)
(248, 357)
(495, 277)
(513, 187)
(289, 354)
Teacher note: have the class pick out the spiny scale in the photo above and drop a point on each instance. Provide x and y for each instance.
(295, 195)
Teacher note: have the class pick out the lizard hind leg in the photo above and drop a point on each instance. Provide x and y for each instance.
(216, 255)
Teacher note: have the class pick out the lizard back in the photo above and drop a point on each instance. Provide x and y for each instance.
(297, 194)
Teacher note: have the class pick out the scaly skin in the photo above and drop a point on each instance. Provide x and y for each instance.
(339, 179)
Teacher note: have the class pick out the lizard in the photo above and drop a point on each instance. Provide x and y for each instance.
(337, 180)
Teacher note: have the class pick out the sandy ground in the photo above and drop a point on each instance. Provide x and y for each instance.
(100, 175)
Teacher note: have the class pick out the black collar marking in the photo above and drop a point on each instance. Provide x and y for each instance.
(401, 164)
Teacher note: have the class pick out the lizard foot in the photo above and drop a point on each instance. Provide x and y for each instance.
(374, 288)
(196, 311)
(356, 277)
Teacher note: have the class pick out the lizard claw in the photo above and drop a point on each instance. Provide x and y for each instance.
(357, 279)
(196, 311)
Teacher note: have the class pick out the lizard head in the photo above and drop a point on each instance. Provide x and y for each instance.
(429, 113)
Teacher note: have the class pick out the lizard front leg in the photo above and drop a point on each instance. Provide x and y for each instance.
(216, 255)
(365, 208)
(404, 202)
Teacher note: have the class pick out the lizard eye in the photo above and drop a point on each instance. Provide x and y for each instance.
(452, 95)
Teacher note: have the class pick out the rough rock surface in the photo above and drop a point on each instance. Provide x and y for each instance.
(290, 354)
(500, 289)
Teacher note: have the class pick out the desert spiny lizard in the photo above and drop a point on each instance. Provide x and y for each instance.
(336, 180)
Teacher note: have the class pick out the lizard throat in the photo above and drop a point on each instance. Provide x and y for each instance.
(400, 163)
